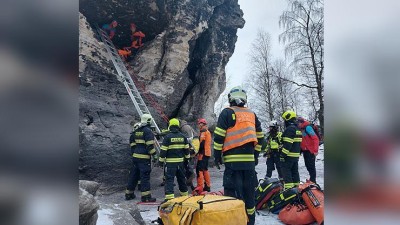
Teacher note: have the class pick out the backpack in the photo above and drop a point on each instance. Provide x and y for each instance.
(279, 201)
(265, 190)
(316, 130)
(203, 210)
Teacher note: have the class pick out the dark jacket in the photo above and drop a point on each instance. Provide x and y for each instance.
(175, 148)
(142, 143)
(291, 140)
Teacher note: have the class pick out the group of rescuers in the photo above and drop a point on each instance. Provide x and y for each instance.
(238, 141)
(136, 36)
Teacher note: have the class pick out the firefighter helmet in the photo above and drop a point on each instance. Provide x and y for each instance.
(288, 115)
(174, 122)
(238, 95)
(146, 118)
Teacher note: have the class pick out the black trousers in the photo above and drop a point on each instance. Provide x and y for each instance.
(309, 160)
(290, 171)
(170, 173)
(140, 171)
(240, 184)
(272, 162)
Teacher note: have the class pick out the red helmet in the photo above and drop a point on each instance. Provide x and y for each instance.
(202, 120)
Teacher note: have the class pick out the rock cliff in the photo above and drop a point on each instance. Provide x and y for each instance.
(182, 65)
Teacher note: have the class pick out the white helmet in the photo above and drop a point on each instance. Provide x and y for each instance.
(238, 95)
(273, 123)
(137, 126)
(146, 118)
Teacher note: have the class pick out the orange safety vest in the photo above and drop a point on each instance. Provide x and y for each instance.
(244, 130)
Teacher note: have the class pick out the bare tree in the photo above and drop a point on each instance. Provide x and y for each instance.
(284, 88)
(303, 37)
(260, 81)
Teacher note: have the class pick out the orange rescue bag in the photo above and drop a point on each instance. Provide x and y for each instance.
(313, 196)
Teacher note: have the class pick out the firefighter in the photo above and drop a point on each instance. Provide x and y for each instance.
(124, 53)
(110, 28)
(136, 37)
(309, 147)
(290, 153)
(142, 148)
(274, 142)
(202, 158)
(174, 153)
(238, 137)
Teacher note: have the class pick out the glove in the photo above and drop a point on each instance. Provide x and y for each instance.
(154, 158)
(160, 164)
(218, 160)
(256, 160)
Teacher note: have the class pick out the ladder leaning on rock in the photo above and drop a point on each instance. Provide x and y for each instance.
(124, 76)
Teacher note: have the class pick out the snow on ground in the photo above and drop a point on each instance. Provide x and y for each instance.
(112, 205)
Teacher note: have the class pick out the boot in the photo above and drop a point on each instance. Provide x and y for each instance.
(206, 188)
(129, 196)
(148, 198)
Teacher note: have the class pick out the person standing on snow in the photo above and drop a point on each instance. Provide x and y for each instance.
(142, 148)
(309, 147)
(273, 146)
(238, 137)
(174, 153)
(290, 153)
(202, 157)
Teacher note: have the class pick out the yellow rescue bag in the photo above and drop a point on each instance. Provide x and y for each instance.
(203, 210)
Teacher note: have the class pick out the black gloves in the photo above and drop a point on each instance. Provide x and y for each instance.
(217, 158)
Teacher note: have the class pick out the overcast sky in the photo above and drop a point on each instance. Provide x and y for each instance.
(258, 14)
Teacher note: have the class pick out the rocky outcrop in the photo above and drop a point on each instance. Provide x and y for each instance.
(87, 208)
(182, 65)
(89, 186)
(105, 112)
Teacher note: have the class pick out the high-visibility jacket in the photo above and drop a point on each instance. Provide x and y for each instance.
(291, 139)
(274, 142)
(142, 143)
(205, 144)
(175, 148)
(236, 136)
(137, 39)
(244, 130)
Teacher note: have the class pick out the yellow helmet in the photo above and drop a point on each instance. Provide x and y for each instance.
(174, 122)
(288, 115)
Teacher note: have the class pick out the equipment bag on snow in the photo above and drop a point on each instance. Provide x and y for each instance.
(296, 214)
(203, 210)
(265, 190)
(279, 201)
(313, 196)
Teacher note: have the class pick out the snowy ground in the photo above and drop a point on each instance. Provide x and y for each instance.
(114, 209)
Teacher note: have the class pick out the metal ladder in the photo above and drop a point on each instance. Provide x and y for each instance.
(124, 76)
